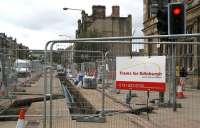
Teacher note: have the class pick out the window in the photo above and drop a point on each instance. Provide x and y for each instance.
(185, 49)
(189, 29)
(190, 48)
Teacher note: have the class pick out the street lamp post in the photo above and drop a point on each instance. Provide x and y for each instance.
(62, 35)
(74, 9)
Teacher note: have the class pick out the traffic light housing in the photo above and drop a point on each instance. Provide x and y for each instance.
(162, 24)
(176, 15)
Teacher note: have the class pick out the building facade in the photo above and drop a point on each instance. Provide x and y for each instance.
(190, 53)
(150, 22)
(100, 25)
(10, 48)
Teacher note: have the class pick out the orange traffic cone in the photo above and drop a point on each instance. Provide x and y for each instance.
(179, 93)
(20, 122)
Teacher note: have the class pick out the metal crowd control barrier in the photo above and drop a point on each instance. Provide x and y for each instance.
(117, 40)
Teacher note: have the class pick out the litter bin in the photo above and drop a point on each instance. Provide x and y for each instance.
(89, 82)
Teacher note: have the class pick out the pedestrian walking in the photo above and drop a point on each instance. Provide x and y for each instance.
(183, 75)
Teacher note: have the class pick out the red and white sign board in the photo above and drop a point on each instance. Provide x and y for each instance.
(141, 73)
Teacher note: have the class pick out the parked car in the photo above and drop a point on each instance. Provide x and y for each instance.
(59, 67)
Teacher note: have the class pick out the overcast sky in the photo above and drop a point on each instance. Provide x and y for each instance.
(34, 22)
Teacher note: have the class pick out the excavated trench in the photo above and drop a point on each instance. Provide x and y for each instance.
(10, 112)
(77, 104)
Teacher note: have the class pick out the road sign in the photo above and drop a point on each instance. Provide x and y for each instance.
(141, 73)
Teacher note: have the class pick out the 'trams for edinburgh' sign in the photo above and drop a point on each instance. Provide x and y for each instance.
(141, 73)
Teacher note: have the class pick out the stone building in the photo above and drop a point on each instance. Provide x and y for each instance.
(190, 53)
(150, 21)
(68, 56)
(100, 25)
(10, 47)
(193, 26)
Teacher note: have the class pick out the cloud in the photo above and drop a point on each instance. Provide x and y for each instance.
(31, 16)
(33, 22)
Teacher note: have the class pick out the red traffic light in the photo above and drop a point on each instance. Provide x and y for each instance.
(176, 18)
(177, 11)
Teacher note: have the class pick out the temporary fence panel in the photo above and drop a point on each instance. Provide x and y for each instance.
(106, 106)
(54, 96)
(21, 79)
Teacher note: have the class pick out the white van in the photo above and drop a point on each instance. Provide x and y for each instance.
(22, 67)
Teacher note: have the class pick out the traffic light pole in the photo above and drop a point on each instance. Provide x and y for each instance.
(173, 70)
(176, 25)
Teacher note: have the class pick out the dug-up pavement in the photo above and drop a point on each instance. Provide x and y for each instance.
(61, 115)
(164, 117)
(185, 117)
(62, 118)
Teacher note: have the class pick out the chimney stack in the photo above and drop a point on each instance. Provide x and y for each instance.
(98, 11)
(115, 11)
